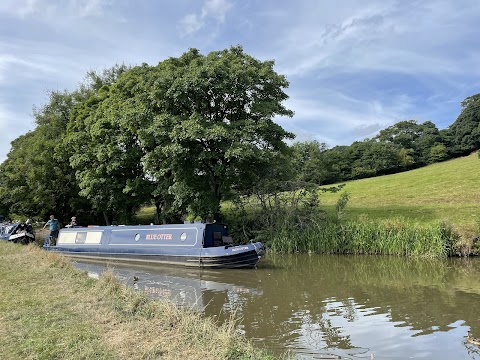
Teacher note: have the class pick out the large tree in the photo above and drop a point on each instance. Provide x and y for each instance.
(106, 156)
(214, 124)
(36, 177)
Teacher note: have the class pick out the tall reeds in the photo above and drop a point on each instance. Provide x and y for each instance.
(392, 237)
(293, 221)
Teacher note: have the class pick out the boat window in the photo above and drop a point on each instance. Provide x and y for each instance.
(81, 237)
(217, 238)
(137, 237)
(183, 237)
(227, 240)
(67, 238)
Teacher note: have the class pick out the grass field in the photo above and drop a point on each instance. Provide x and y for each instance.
(444, 191)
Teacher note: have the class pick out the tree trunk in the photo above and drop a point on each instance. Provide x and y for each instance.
(218, 197)
(158, 211)
(105, 217)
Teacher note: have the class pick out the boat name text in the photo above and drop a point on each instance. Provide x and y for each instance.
(240, 248)
(159, 236)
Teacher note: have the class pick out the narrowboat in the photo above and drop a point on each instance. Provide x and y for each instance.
(17, 232)
(195, 245)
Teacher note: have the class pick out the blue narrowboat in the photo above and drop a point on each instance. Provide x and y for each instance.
(196, 245)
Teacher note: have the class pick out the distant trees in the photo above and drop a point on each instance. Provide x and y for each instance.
(418, 138)
(402, 146)
(315, 163)
(465, 131)
(309, 162)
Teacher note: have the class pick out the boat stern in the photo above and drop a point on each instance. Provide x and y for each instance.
(259, 248)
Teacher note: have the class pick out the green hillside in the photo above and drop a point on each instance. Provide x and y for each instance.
(449, 190)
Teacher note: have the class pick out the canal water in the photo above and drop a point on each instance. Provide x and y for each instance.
(332, 307)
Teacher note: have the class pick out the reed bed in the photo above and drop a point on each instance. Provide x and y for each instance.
(392, 237)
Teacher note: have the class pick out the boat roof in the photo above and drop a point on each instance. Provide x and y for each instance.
(199, 226)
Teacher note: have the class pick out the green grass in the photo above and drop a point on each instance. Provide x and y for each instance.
(145, 215)
(444, 191)
(50, 310)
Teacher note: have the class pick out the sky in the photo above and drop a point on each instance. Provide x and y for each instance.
(354, 67)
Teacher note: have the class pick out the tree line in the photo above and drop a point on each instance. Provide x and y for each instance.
(403, 146)
(188, 134)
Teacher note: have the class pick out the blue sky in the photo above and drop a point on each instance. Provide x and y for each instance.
(354, 67)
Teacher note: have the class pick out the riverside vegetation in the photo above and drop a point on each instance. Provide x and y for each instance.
(431, 211)
(50, 310)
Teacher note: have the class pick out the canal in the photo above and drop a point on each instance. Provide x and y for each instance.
(332, 307)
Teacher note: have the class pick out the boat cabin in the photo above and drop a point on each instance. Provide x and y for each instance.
(189, 235)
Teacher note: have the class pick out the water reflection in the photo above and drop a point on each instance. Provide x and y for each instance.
(337, 306)
(186, 287)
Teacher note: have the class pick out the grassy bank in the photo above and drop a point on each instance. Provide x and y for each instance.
(50, 310)
(444, 191)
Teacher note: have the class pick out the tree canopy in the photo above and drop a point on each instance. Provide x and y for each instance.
(184, 134)
(214, 120)
(465, 131)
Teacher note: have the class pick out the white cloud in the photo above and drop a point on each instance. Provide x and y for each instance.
(384, 36)
(335, 118)
(48, 9)
(216, 9)
(20, 8)
(211, 9)
(30, 68)
(90, 7)
(190, 23)
(28, 61)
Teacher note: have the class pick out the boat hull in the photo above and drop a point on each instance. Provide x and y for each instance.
(245, 259)
(192, 245)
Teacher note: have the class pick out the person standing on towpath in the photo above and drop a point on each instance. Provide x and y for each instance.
(54, 228)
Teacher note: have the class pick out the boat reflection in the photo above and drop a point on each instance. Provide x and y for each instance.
(192, 288)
